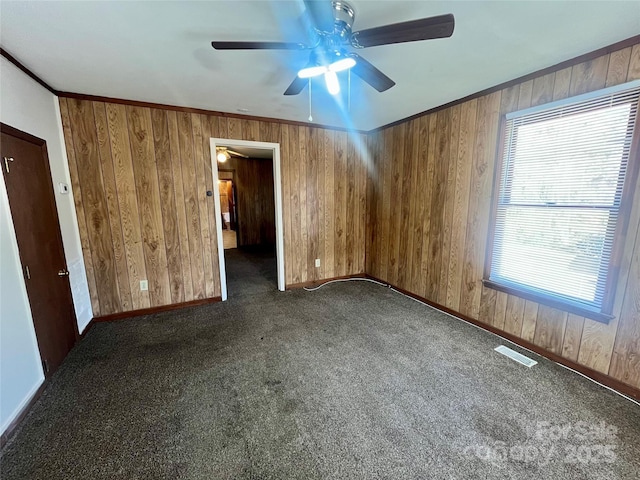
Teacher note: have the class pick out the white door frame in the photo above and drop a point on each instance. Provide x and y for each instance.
(277, 189)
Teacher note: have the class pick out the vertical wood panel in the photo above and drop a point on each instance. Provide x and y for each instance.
(500, 312)
(322, 204)
(525, 95)
(234, 128)
(596, 346)
(487, 310)
(377, 178)
(108, 176)
(146, 180)
(550, 329)
(387, 152)
(451, 160)
(425, 265)
(181, 214)
(484, 159)
(303, 147)
(395, 202)
(461, 204)
(625, 364)
(406, 156)
(514, 315)
(634, 64)
(362, 159)
(353, 214)
(294, 203)
(371, 205)
(529, 319)
(340, 243)
(331, 206)
(589, 76)
(572, 337)
(201, 199)
(192, 208)
(85, 141)
(562, 83)
(421, 143)
(312, 204)
(618, 67)
(168, 208)
(287, 186)
(437, 201)
(128, 203)
(222, 127)
(207, 132)
(542, 90)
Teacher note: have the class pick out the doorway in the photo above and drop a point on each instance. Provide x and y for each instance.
(25, 166)
(228, 208)
(248, 204)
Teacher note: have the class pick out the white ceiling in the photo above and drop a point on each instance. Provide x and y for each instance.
(160, 51)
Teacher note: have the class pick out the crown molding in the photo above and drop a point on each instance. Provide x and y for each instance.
(29, 73)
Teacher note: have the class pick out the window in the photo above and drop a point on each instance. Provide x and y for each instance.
(559, 197)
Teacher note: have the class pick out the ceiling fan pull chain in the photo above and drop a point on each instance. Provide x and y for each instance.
(349, 90)
(310, 117)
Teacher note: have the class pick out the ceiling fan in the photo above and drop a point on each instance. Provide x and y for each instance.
(332, 34)
(223, 154)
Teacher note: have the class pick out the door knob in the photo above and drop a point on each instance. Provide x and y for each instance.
(63, 273)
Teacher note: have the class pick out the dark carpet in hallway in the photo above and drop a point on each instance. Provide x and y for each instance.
(250, 270)
(350, 381)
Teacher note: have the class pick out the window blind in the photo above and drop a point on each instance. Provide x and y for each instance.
(563, 171)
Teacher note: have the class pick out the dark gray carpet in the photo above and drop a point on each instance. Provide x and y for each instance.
(350, 381)
(250, 270)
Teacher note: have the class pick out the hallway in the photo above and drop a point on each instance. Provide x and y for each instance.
(250, 270)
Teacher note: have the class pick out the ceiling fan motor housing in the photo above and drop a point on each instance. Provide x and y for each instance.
(344, 16)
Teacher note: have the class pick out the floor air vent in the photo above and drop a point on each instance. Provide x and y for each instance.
(513, 355)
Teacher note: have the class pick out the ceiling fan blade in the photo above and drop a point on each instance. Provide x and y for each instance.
(370, 74)
(412, 31)
(296, 86)
(321, 14)
(237, 154)
(258, 46)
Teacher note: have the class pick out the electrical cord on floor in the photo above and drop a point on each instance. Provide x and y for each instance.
(348, 280)
(359, 279)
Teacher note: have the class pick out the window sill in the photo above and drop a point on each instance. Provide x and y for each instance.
(549, 301)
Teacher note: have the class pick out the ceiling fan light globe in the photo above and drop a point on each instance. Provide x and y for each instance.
(314, 71)
(333, 85)
(221, 157)
(342, 64)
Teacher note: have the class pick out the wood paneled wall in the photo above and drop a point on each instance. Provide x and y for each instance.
(428, 216)
(139, 179)
(255, 197)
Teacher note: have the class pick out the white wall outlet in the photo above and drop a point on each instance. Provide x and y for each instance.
(317, 262)
(144, 285)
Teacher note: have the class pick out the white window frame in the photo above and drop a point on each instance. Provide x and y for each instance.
(604, 314)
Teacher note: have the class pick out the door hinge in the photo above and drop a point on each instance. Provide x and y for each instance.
(45, 366)
(27, 273)
(6, 162)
